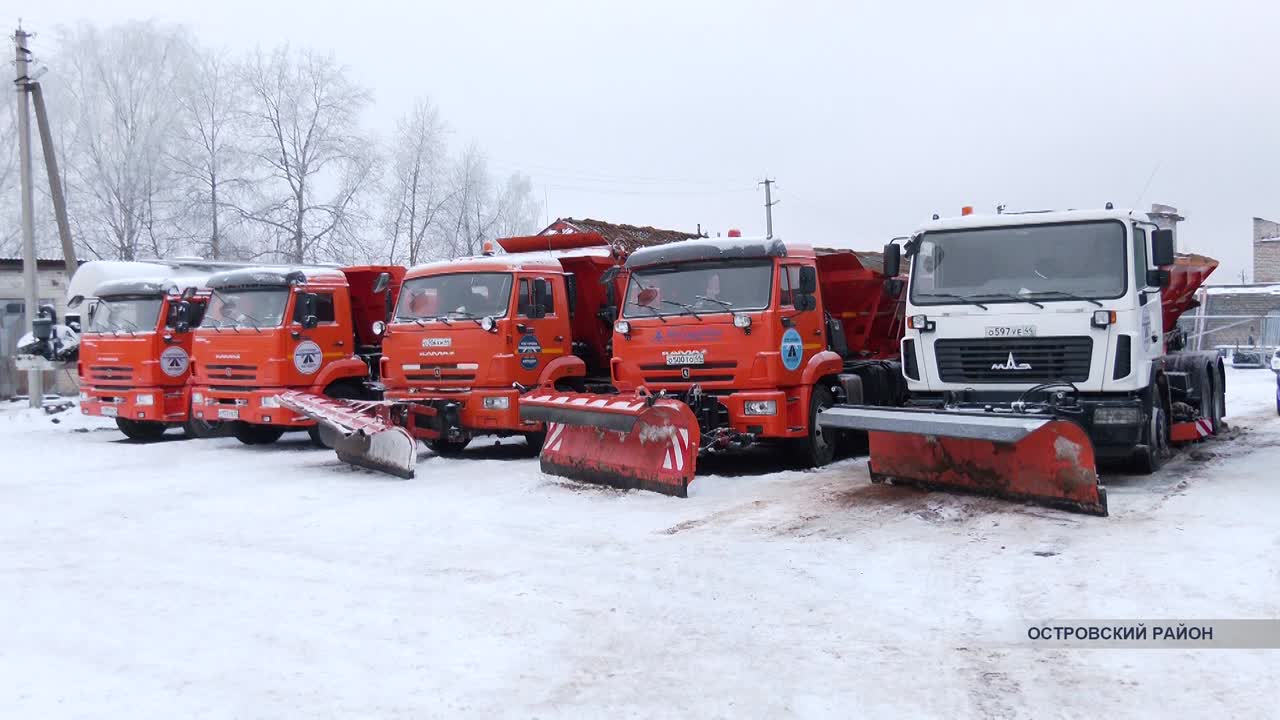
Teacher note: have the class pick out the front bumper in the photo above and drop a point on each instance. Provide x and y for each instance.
(256, 407)
(471, 414)
(167, 404)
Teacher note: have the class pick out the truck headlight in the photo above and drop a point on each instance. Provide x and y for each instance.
(488, 324)
(496, 403)
(143, 399)
(622, 326)
(742, 321)
(270, 401)
(1103, 318)
(197, 398)
(1117, 416)
(920, 322)
(85, 396)
(760, 407)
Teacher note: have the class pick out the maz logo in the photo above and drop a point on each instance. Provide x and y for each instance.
(1011, 364)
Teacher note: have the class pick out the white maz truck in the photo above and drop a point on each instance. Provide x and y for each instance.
(1037, 344)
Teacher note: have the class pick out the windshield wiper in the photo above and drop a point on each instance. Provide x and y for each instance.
(1010, 296)
(654, 311)
(962, 298)
(445, 319)
(714, 300)
(251, 319)
(1073, 296)
(687, 307)
(466, 316)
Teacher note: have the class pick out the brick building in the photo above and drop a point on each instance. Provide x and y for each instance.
(1266, 251)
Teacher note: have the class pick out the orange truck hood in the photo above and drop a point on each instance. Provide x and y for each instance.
(138, 360)
(447, 357)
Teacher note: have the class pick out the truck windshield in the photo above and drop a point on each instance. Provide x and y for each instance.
(125, 314)
(699, 288)
(246, 307)
(473, 295)
(1084, 260)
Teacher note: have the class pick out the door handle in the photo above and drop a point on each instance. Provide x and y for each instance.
(340, 343)
(559, 338)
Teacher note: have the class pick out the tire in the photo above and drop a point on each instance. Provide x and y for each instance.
(141, 430)
(1209, 396)
(448, 448)
(533, 443)
(1150, 456)
(816, 449)
(198, 429)
(257, 434)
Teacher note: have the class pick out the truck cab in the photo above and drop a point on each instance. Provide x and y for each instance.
(1070, 308)
(469, 336)
(272, 329)
(135, 354)
(739, 330)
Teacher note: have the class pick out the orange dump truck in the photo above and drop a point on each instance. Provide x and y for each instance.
(269, 330)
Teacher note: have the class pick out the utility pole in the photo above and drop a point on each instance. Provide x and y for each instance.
(35, 380)
(769, 202)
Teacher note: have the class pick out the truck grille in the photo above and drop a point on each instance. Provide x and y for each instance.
(663, 374)
(439, 374)
(230, 372)
(110, 373)
(1004, 360)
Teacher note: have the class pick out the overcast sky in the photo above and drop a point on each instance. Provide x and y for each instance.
(871, 116)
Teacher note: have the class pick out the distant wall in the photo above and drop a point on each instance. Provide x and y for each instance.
(52, 279)
(1266, 251)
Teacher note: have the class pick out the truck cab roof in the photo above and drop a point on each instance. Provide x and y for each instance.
(545, 261)
(970, 222)
(275, 276)
(734, 248)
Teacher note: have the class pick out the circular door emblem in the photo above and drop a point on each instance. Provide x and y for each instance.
(792, 349)
(174, 362)
(684, 373)
(529, 348)
(306, 357)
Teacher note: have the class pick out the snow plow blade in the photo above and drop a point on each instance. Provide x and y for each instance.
(359, 431)
(1042, 460)
(641, 441)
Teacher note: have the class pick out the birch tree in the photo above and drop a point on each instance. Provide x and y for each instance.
(418, 192)
(303, 134)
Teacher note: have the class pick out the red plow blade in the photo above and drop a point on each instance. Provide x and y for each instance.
(1042, 460)
(360, 431)
(638, 442)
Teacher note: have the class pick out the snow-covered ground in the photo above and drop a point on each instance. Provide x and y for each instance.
(210, 579)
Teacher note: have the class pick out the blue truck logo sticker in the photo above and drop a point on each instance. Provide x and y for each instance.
(306, 357)
(792, 349)
(529, 350)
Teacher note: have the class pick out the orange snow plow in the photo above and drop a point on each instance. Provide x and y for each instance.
(1038, 459)
(654, 444)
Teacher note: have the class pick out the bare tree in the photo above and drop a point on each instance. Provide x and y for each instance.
(302, 117)
(121, 84)
(471, 217)
(10, 211)
(207, 156)
(517, 210)
(418, 192)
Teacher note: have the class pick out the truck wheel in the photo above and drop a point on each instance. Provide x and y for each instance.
(817, 448)
(533, 442)
(1150, 456)
(448, 447)
(198, 428)
(140, 430)
(257, 434)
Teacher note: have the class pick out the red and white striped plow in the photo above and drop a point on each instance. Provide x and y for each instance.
(627, 442)
(360, 431)
(1191, 431)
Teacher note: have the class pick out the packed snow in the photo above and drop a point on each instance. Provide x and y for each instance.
(210, 579)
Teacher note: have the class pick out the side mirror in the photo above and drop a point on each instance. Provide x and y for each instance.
(182, 317)
(805, 302)
(1162, 248)
(538, 308)
(188, 293)
(1158, 278)
(892, 260)
(382, 283)
(74, 302)
(379, 327)
(808, 279)
(309, 319)
(609, 314)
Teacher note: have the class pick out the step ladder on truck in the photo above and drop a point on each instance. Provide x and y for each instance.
(468, 341)
(272, 329)
(723, 344)
(1037, 345)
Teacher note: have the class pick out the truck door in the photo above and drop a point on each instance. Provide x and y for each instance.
(803, 338)
(1150, 308)
(329, 340)
(545, 338)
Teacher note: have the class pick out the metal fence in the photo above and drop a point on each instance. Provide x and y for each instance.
(1206, 332)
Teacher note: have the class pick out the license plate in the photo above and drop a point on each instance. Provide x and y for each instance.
(110, 411)
(686, 357)
(228, 414)
(1003, 331)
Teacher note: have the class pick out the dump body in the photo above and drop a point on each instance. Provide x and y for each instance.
(737, 332)
(255, 340)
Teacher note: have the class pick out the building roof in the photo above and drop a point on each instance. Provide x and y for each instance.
(15, 263)
(625, 238)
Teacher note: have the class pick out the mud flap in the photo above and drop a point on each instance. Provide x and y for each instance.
(361, 432)
(638, 442)
(1043, 460)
